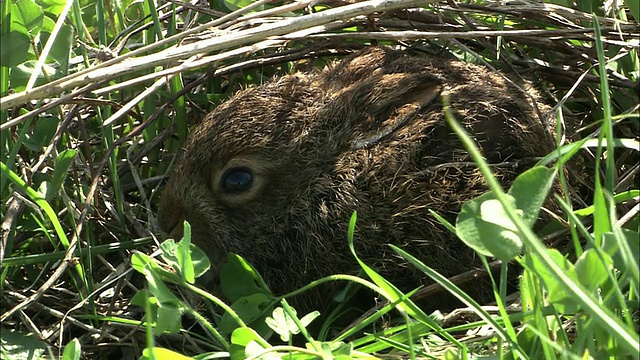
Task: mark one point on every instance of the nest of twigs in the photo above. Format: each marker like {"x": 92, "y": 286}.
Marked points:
{"x": 117, "y": 111}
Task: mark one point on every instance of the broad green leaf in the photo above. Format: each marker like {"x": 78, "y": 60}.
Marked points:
{"x": 47, "y": 26}
{"x": 484, "y": 226}
{"x": 139, "y": 261}
{"x": 586, "y": 6}
{"x": 168, "y": 318}
{"x": 53, "y": 7}
{"x": 565, "y": 3}
{"x": 20, "y": 74}
{"x": 246, "y": 342}
{"x": 234, "y": 5}
{"x": 528, "y": 340}
{"x": 14, "y": 49}
{"x": 493, "y": 212}
{"x": 336, "y": 350}
{"x": 530, "y": 189}
{"x": 501, "y": 233}
{"x": 156, "y": 286}
{"x": 200, "y": 262}
{"x": 140, "y": 297}
{"x": 72, "y": 350}
{"x": 162, "y": 354}
{"x": 634, "y": 8}
{"x": 611, "y": 246}
{"x": 307, "y": 319}
{"x": 252, "y": 309}
{"x": 63, "y": 161}
{"x": 18, "y": 346}
{"x": 26, "y": 22}
{"x": 42, "y": 133}
{"x": 61, "y": 49}
{"x": 557, "y": 293}
{"x": 283, "y": 324}
{"x": 340, "y": 349}
{"x": 26, "y": 15}
{"x": 239, "y": 279}
{"x": 169, "y": 248}
{"x": 169, "y": 306}
{"x": 591, "y": 271}
{"x": 155, "y": 275}
{"x": 183, "y": 254}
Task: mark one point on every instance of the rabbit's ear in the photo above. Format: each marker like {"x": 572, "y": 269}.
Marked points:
{"x": 387, "y": 102}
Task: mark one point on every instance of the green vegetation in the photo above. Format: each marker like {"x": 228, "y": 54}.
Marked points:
{"x": 97, "y": 97}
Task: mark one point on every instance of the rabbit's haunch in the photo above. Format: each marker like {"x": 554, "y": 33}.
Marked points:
{"x": 275, "y": 173}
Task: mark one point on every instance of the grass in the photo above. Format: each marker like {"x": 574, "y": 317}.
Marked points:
{"x": 98, "y": 96}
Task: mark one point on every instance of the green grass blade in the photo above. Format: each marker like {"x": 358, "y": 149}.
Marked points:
{"x": 44, "y": 205}
{"x": 626, "y": 336}
{"x": 462, "y": 296}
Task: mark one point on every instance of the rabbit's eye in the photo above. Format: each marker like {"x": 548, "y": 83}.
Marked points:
{"x": 236, "y": 180}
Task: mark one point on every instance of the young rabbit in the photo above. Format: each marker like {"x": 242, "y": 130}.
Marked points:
{"x": 275, "y": 173}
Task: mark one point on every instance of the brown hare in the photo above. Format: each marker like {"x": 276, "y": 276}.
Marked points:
{"x": 275, "y": 173}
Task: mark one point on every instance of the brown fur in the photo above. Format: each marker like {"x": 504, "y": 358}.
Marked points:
{"x": 365, "y": 134}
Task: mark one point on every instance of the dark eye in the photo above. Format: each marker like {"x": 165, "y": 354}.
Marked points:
{"x": 236, "y": 180}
